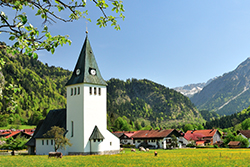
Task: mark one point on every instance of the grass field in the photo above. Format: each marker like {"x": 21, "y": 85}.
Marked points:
{"x": 181, "y": 157}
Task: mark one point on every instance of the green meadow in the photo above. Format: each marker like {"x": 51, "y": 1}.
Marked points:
{"x": 179, "y": 157}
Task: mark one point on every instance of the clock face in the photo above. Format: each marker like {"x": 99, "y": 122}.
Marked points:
{"x": 93, "y": 72}
{"x": 78, "y": 71}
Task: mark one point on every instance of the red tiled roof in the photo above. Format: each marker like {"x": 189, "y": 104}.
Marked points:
{"x": 129, "y": 134}
{"x": 152, "y": 133}
{"x": 13, "y": 133}
{"x": 245, "y": 133}
{"x": 196, "y": 134}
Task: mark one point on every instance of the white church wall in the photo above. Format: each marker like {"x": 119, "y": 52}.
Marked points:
{"x": 75, "y": 118}
{"x": 94, "y": 112}
{"x": 46, "y": 145}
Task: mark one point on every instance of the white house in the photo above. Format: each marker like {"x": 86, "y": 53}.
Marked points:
{"x": 85, "y": 116}
{"x": 157, "y": 138}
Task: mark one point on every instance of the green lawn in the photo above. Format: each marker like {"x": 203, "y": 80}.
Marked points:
{"x": 181, "y": 157}
{"x": 19, "y": 127}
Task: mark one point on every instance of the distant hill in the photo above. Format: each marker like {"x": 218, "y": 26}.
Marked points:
{"x": 191, "y": 89}
{"x": 151, "y": 101}
{"x": 226, "y": 94}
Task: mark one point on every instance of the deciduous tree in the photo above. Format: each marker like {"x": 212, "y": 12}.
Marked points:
{"x": 58, "y": 134}
{"x": 30, "y": 38}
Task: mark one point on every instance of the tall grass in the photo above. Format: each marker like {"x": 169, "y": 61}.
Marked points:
{"x": 181, "y": 157}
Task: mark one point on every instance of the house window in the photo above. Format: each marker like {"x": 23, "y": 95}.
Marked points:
{"x": 75, "y": 91}
{"x": 99, "y": 91}
{"x": 51, "y": 142}
{"x": 78, "y": 90}
{"x": 47, "y": 142}
{"x": 111, "y": 143}
{"x": 42, "y": 142}
{"x": 138, "y": 141}
{"x": 71, "y": 91}
{"x": 72, "y": 128}
{"x": 94, "y": 90}
{"x": 90, "y": 90}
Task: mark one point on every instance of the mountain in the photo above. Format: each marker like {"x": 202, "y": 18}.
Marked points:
{"x": 191, "y": 89}
{"x": 42, "y": 88}
{"x": 150, "y": 101}
{"x": 226, "y": 94}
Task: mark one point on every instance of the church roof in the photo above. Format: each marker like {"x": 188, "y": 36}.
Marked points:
{"x": 96, "y": 134}
{"x": 85, "y": 63}
{"x": 54, "y": 118}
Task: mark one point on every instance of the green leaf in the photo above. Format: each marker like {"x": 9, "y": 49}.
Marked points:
{"x": 12, "y": 38}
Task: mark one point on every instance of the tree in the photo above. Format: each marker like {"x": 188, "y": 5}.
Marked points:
{"x": 246, "y": 124}
{"x": 14, "y": 144}
{"x": 30, "y": 38}
{"x": 59, "y": 137}
{"x": 244, "y": 142}
{"x": 174, "y": 141}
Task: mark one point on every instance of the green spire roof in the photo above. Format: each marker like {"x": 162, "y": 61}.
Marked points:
{"x": 96, "y": 134}
{"x": 86, "y": 69}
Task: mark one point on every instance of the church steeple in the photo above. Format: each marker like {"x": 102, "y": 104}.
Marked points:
{"x": 86, "y": 69}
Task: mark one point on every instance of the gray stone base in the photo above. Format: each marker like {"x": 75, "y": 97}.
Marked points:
{"x": 96, "y": 153}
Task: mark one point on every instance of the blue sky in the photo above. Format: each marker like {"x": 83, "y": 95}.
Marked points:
{"x": 173, "y": 43}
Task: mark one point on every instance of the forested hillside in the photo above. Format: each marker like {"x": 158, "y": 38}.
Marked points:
{"x": 41, "y": 89}
{"x": 144, "y": 100}
{"x": 229, "y": 120}
{"x": 131, "y": 105}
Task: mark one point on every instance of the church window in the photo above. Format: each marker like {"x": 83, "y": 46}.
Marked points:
{"x": 47, "y": 142}
{"x": 51, "y": 142}
{"x": 98, "y": 140}
{"x": 90, "y": 90}
{"x": 94, "y": 90}
{"x": 42, "y": 142}
{"x": 99, "y": 91}
{"x": 71, "y": 91}
{"x": 111, "y": 143}
{"x": 75, "y": 91}
{"x": 72, "y": 128}
{"x": 78, "y": 90}
{"x": 94, "y": 140}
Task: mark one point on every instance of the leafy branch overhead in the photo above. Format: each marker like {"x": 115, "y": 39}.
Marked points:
{"x": 30, "y": 39}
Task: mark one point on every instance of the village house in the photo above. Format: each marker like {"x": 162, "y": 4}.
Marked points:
{"x": 245, "y": 134}
{"x": 203, "y": 137}
{"x": 125, "y": 137}
{"x": 157, "y": 138}
{"x": 84, "y": 119}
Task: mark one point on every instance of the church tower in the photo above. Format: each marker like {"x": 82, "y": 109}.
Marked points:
{"x": 86, "y": 120}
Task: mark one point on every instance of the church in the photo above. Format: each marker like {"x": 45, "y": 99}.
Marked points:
{"x": 85, "y": 118}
